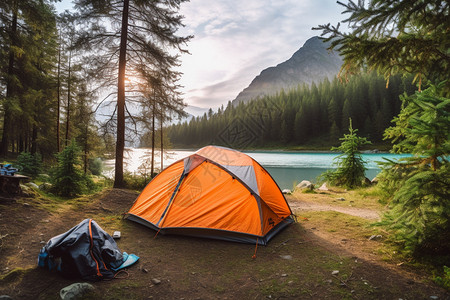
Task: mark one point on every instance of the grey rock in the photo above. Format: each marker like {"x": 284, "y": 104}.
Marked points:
{"x": 287, "y": 257}
{"x": 286, "y": 191}
{"x": 156, "y": 281}
{"x": 33, "y": 185}
{"x": 45, "y": 186}
{"x": 323, "y": 187}
{"x": 341, "y": 199}
{"x": 284, "y": 275}
{"x": 434, "y": 297}
{"x": 305, "y": 184}
{"x": 335, "y": 272}
{"x": 5, "y": 297}
{"x": 75, "y": 291}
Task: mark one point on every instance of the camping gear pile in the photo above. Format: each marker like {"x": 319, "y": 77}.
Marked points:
{"x": 86, "y": 251}
{"x": 217, "y": 193}
{"x": 7, "y": 169}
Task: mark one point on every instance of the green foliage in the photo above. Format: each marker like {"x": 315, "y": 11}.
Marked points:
{"x": 29, "y": 164}
{"x": 350, "y": 170}
{"x": 135, "y": 182}
{"x": 96, "y": 166}
{"x": 68, "y": 179}
{"x": 444, "y": 280}
{"x": 417, "y": 186}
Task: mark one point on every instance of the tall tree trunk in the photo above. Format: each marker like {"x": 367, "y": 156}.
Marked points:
{"x": 152, "y": 169}
{"x": 34, "y": 139}
{"x": 58, "y": 110}
{"x": 69, "y": 83}
{"x": 120, "y": 143}
{"x": 7, "y": 126}
{"x": 162, "y": 143}
{"x": 86, "y": 147}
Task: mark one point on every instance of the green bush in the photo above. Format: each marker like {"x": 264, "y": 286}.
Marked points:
{"x": 96, "y": 166}
{"x": 135, "y": 182}
{"x": 68, "y": 178}
{"x": 350, "y": 170}
{"x": 444, "y": 280}
{"x": 29, "y": 164}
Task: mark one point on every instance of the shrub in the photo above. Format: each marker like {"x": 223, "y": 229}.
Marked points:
{"x": 29, "y": 164}
{"x": 135, "y": 182}
{"x": 68, "y": 178}
{"x": 96, "y": 166}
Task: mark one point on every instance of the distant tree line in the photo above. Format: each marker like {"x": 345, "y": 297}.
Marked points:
{"x": 316, "y": 114}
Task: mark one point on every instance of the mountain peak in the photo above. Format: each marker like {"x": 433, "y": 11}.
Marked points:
{"x": 311, "y": 63}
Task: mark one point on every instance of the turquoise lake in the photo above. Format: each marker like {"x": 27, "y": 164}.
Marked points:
{"x": 287, "y": 168}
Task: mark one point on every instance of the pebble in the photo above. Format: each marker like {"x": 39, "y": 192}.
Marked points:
{"x": 341, "y": 199}
{"x": 335, "y": 272}
{"x": 288, "y": 257}
{"x": 284, "y": 275}
{"x": 156, "y": 281}
{"x": 375, "y": 237}
{"x": 434, "y": 297}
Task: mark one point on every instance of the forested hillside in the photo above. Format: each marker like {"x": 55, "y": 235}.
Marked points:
{"x": 300, "y": 116}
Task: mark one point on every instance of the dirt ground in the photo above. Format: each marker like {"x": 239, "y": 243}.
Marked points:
{"x": 297, "y": 264}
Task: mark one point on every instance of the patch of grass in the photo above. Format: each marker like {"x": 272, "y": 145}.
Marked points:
{"x": 13, "y": 275}
{"x": 360, "y": 198}
{"x": 348, "y": 226}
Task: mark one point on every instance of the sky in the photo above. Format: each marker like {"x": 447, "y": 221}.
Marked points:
{"x": 234, "y": 40}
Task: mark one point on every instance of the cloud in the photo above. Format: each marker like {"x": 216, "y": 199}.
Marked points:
{"x": 235, "y": 40}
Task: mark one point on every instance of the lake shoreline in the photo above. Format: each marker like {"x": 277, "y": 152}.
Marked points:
{"x": 287, "y": 167}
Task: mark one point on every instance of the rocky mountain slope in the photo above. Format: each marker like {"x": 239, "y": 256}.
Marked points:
{"x": 311, "y": 63}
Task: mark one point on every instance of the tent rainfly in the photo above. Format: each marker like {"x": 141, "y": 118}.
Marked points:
{"x": 217, "y": 193}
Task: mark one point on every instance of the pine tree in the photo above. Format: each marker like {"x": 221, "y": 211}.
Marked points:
{"x": 417, "y": 186}
{"x": 350, "y": 170}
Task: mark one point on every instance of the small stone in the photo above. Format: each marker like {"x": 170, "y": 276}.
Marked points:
{"x": 286, "y": 191}
{"x": 284, "y": 275}
{"x": 323, "y": 187}
{"x": 329, "y": 281}
{"x": 156, "y": 281}
{"x": 335, "y": 272}
{"x": 341, "y": 199}
{"x": 434, "y": 297}
{"x": 33, "y": 185}
{"x": 287, "y": 257}
{"x": 145, "y": 270}
{"x": 5, "y": 297}
{"x": 290, "y": 282}
{"x": 43, "y": 242}
{"x": 375, "y": 237}
{"x": 75, "y": 291}
{"x": 26, "y": 204}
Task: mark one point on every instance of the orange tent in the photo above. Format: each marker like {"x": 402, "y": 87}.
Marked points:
{"x": 216, "y": 193}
